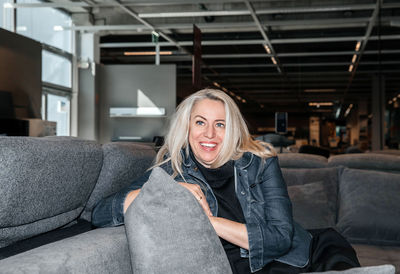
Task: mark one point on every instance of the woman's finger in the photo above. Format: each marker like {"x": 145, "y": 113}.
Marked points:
{"x": 194, "y": 189}
{"x": 199, "y": 195}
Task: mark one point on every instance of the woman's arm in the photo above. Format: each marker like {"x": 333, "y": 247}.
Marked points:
{"x": 110, "y": 211}
{"x": 130, "y": 197}
{"x": 233, "y": 232}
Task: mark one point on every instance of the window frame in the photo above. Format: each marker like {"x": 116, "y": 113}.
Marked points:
{"x": 51, "y": 88}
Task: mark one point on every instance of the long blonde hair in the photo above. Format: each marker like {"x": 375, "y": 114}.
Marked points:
{"x": 237, "y": 138}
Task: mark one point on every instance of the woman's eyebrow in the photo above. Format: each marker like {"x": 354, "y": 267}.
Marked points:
{"x": 199, "y": 116}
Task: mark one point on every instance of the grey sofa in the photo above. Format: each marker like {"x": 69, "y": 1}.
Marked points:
{"x": 357, "y": 194}
{"x": 50, "y": 185}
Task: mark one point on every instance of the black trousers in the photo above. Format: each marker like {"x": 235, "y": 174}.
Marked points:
{"x": 329, "y": 251}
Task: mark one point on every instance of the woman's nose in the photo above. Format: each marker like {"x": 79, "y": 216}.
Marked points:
{"x": 209, "y": 132}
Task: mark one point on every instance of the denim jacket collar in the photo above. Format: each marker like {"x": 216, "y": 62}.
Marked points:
{"x": 244, "y": 161}
{"x": 186, "y": 160}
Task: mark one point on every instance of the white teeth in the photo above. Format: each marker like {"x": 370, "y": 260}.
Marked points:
{"x": 207, "y": 145}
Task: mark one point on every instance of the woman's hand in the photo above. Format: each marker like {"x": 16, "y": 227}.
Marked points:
{"x": 199, "y": 195}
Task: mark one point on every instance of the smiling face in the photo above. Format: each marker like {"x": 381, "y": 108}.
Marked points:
{"x": 207, "y": 130}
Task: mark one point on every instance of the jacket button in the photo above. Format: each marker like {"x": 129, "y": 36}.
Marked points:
{"x": 242, "y": 192}
{"x": 240, "y": 174}
{"x": 195, "y": 168}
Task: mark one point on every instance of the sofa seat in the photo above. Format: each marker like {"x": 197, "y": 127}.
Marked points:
{"x": 370, "y": 255}
{"x": 103, "y": 250}
{"x": 49, "y": 237}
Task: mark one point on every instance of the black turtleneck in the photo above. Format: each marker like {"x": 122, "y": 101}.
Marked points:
{"x": 222, "y": 182}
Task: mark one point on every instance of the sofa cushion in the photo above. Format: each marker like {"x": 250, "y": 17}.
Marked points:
{"x": 370, "y": 255}
{"x": 379, "y": 269}
{"x": 123, "y": 162}
{"x": 367, "y": 161}
{"x": 301, "y": 160}
{"x": 44, "y": 183}
{"x": 369, "y": 209}
{"x": 312, "y": 206}
{"x": 168, "y": 231}
{"x": 302, "y": 176}
{"x": 103, "y": 250}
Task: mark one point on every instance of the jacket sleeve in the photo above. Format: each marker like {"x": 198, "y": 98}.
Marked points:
{"x": 109, "y": 211}
{"x": 272, "y": 221}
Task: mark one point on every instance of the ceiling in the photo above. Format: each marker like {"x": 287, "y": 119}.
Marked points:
{"x": 272, "y": 55}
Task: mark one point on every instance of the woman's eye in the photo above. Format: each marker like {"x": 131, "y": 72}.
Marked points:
{"x": 200, "y": 123}
{"x": 221, "y": 125}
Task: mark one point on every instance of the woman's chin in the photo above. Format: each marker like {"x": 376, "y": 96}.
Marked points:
{"x": 207, "y": 162}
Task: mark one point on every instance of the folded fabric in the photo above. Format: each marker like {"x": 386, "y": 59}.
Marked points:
{"x": 168, "y": 231}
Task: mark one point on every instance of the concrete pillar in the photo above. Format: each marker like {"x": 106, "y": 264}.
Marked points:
{"x": 378, "y": 111}
{"x": 353, "y": 124}
{"x": 88, "y": 97}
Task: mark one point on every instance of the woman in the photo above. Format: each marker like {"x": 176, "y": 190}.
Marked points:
{"x": 237, "y": 181}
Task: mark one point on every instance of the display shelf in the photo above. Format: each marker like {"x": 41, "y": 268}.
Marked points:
{"x": 138, "y": 116}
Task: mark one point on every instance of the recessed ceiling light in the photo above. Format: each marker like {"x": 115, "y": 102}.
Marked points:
{"x": 140, "y": 53}
{"x": 354, "y": 58}
{"x": 216, "y": 84}
{"x": 319, "y": 104}
{"x": 358, "y": 45}
{"x": 267, "y": 49}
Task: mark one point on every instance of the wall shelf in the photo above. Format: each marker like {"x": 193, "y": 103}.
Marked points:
{"x": 137, "y": 116}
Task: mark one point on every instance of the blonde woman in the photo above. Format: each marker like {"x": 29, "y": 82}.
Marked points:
{"x": 236, "y": 180}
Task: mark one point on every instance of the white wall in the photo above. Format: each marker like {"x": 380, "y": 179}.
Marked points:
{"x": 129, "y": 85}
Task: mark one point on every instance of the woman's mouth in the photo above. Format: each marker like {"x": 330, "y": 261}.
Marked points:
{"x": 208, "y": 146}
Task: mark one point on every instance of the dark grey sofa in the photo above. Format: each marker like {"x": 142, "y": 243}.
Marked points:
{"x": 50, "y": 185}
{"x": 357, "y": 194}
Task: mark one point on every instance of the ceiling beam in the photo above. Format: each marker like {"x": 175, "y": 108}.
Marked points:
{"x": 251, "y": 42}
{"x": 314, "y": 64}
{"x": 364, "y": 42}
{"x": 107, "y": 4}
{"x": 184, "y": 58}
{"x": 234, "y": 26}
{"x": 144, "y": 22}
{"x": 267, "y": 42}
{"x": 308, "y": 9}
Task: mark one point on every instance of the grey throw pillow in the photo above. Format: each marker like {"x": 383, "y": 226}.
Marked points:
{"x": 312, "y": 206}
{"x": 168, "y": 231}
{"x": 380, "y": 269}
{"x": 369, "y": 209}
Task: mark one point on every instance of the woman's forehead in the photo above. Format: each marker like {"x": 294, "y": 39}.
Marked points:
{"x": 209, "y": 107}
